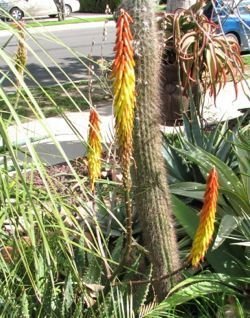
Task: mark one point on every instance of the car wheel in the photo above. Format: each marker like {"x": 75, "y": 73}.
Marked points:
{"x": 68, "y": 10}
{"x": 16, "y": 14}
{"x": 233, "y": 37}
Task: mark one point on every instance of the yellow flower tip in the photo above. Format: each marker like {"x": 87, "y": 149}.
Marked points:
{"x": 204, "y": 233}
{"x": 94, "y": 150}
{"x": 18, "y": 24}
{"x": 94, "y": 125}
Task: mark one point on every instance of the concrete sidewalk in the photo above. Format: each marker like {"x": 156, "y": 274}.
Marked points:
{"x": 71, "y": 133}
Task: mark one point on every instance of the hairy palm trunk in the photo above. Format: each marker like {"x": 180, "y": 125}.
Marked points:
{"x": 172, "y": 5}
{"x": 174, "y": 103}
{"x": 60, "y": 9}
{"x": 152, "y": 199}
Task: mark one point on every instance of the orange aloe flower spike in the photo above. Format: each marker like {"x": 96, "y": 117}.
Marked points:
{"x": 204, "y": 233}
{"x": 124, "y": 89}
{"x": 94, "y": 150}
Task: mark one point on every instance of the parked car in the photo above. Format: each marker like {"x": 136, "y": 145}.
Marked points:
{"x": 233, "y": 19}
{"x": 34, "y": 8}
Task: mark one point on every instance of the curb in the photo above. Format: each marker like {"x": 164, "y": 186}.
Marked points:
{"x": 61, "y": 27}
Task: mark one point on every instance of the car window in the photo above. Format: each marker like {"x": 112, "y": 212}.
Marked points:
{"x": 244, "y": 8}
{"x": 225, "y": 8}
{"x": 230, "y": 7}
{"x": 214, "y": 8}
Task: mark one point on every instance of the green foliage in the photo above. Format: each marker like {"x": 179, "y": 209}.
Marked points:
{"x": 200, "y": 286}
{"x": 56, "y": 249}
{"x": 189, "y": 157}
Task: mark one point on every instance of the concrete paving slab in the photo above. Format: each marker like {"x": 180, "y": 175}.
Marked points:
{"x": 227, "y": 104}
{"x": 70, "y": 134}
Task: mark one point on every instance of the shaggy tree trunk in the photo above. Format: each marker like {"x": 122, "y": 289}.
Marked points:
{"x": 152, "y": 199}
{"x": 174, "y": 103}
{"x": 172, "y": 5}
{"x": 60, "y": 9}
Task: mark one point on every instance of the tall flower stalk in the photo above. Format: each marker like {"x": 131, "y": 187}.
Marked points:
{"x": 21, "y": 54}
{"x": 205, "y": 229}
{"x": 124, "y": 89}
{"x": 94, "y": 148}
{"x": 123, "y": 75}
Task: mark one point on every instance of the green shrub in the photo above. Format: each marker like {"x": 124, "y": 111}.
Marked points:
{"x": 98, "y": 6}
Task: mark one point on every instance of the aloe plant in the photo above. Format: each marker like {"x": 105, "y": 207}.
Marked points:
{"x": 195, "y": 58}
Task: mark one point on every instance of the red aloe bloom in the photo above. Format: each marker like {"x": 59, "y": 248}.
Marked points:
{"x": 94, "y": 148}
{"x": 205, "y": 229}
{"x": 124, "y": 88}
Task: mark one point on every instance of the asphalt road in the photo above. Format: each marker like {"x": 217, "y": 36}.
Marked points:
{"x": 63, "y": 49}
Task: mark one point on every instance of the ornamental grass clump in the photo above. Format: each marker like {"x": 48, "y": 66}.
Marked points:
{"x": 94, "y": 148}
{"x": 205, "y": 229}
{"x": 124, "y": 90}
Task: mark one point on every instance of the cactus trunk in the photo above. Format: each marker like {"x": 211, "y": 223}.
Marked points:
{"x": 176, "y": 4}
{"x": 152, "y": 200}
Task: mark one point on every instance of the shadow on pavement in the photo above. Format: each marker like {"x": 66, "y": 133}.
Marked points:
{"x": 70, "y": 69}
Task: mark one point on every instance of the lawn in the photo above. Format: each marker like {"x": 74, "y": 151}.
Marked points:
{"x": 246, "y": 59}
{"x": 68, "y": 97}
{"x": 34, "y": 23}
{"x": 67, "y": 21}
